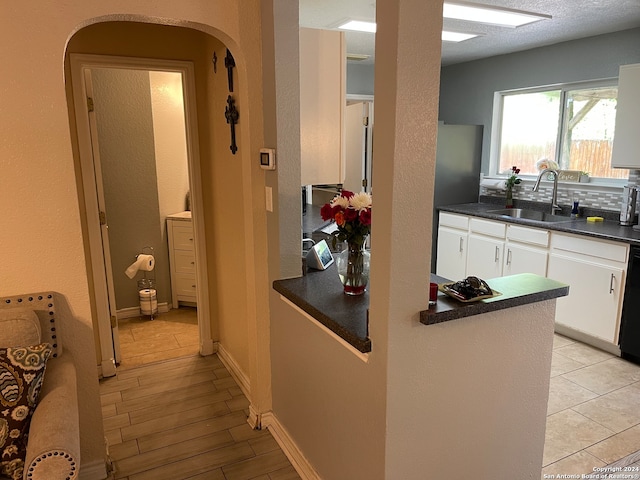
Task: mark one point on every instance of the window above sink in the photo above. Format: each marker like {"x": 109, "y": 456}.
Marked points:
{"x": 571, "y": 124}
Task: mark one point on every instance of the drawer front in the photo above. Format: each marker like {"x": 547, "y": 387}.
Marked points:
{"x": 454, "y": 221}
{"x": 534, "y": 236}
{"x": 186, "y": 284}
{"x": 614, "y": 251}
{"x": 185, "y": 262}
{"x": 183, "y": 238}
{"x": 487, "y": 227}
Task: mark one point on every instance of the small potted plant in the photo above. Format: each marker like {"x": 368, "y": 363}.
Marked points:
{"x": 511, "y": 182}
{"x": 584, "y": 177}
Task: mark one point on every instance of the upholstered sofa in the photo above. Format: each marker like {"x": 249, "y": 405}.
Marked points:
{"x": 53, "y": 446}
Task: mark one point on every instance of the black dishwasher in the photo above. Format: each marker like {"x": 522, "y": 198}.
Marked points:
{"x": 630, "y": 324}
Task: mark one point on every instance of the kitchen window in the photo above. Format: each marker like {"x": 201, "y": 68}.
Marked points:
{"x": 572, "y": 124}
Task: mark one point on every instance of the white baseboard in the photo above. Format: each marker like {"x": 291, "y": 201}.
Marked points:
{"x": 208, "y": 347}
{"x": 254, "y": 419}
{"x": 93, "y": 471}
{"x": 236, "y": 372}
{"x": 135, "y": 311}
{"x": 588, "y": 339}
{"x": 289, "y": 447}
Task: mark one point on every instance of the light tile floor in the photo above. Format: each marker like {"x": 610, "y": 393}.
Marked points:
{"x": 186, "y": 418}
{"x": 169, "y": 335}
{"x": 593, "y": 415}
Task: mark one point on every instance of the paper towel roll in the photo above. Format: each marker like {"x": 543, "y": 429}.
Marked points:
{"x": 143, "y": 262}
{"x": 492, "y": 183}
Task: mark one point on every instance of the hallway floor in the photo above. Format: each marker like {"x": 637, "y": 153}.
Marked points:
{"x": 593, "y": 412}
{"x": 185, "y": 418}
{"x": 171, "y": 414}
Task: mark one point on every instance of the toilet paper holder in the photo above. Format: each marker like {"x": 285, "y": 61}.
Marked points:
{"x": 147, "y": 293}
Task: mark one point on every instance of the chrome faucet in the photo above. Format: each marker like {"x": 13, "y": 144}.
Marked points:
{"x": 554, "y": 195}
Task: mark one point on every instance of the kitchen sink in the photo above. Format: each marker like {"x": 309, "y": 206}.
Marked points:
{"x": 529, "y": 215}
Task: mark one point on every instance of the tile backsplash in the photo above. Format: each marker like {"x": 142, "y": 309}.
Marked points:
{"x": 605, "y": 199}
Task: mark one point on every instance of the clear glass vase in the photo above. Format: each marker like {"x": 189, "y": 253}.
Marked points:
{"x": 509, "y": 198}
{"x": 353, "y": 268}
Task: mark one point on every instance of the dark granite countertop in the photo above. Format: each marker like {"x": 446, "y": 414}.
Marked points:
{"x": 319, "y": 293}
{"x": 609, "y": 229}
{"x": 515, "y": 290}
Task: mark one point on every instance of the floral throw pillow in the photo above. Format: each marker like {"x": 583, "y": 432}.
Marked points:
{"x": 21, "y": 375}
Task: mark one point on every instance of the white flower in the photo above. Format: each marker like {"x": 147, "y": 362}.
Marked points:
{"x": 340, "y": 201}
{"x": 360, "y": 201}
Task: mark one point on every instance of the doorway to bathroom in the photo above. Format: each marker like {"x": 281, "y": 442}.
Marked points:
{"x": 140, "y": 168}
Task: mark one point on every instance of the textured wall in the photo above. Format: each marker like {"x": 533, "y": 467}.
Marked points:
{"x": 122, "y": 100}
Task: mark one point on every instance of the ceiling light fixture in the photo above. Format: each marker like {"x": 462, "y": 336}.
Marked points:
{"x": 503, "y": 17}
{"x": 448, "y": 36}
{"x": 369, "y": 27}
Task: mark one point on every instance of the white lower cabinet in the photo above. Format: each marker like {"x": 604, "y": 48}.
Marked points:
{"x": 486, "y": 247}
{"x": 453, "y": 234}
{"x": 452, "y": 253}
{"x": 520, "y": 258}
{"x": 594, "y": 269}
{"x": 485, "y": 256}
{"x": 526, "y": 251}
{"x": 595, "y": 272}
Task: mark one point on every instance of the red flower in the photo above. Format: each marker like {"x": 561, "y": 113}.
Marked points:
{"x": 347, "y": 194}
{"x": 326, "y": 212}
{"x": 350, "y": 214}
{"x": 365, "y": 217}
{"x": 340, "y": 219}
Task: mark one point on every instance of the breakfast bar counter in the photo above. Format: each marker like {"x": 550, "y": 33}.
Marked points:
{"x": 320, "y": 295}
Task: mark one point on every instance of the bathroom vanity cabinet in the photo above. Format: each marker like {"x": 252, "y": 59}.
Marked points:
{"x": 182, "y": 259}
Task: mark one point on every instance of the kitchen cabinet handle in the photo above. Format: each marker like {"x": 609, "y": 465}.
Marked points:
{"x": 613, "y": 277}
{"x": 461, "y": 244}
{"x": 497, "y": 253}
{"x": 509, "y": 257}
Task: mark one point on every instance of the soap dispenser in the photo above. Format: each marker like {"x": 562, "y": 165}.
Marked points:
{"x": 574, "y": 208}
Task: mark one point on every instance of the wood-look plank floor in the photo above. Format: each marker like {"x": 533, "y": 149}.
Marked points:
{"x": 185, "y": 418}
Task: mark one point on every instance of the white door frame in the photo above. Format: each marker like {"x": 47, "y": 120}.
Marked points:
{"x": 80, "y": 63}
{"x": 104, "y": 227}
{"x": 367, "y": 167}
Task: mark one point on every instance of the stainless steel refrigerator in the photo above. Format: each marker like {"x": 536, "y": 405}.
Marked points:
{"x": 458, "y": 157}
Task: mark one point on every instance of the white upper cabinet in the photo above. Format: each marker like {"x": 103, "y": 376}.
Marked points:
{"x": 626, "y": 142}
{"x": 323, "y": 65}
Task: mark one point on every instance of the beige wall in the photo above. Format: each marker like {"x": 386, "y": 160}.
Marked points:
{"x": 41, "y": 228}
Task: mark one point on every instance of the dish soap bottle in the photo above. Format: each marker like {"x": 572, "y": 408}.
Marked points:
{"x": 574, "y": 209}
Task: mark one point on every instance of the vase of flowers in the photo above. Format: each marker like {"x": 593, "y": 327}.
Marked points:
{"x": 352, "y": 214}
{"x": 511, "y": 182}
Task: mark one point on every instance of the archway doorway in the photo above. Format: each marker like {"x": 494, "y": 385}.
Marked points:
{"x": 112, "y": 299}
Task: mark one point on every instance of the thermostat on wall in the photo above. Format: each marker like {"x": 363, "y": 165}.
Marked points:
{"x": 268, "y": 158}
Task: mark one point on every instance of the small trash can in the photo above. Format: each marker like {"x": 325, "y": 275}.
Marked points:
{"x": 148, "y": 298}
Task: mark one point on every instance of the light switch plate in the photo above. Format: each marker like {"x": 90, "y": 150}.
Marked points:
{"x": 268, "y": 194}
